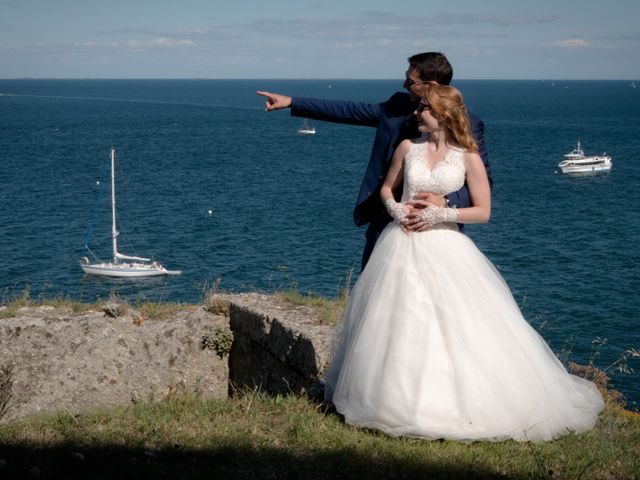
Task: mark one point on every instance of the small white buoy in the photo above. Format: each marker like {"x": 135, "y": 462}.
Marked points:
{"x": 98, "y": 182}
{"x": 210, "y": 212}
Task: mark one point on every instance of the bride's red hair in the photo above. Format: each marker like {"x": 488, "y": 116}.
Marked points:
{"x": 446, "y": 103}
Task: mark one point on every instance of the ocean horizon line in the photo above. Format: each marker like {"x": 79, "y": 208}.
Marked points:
{"x": 314, "y": 79}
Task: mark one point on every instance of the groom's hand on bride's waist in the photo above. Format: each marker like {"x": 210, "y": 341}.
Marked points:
{"x": 423, "y": 199}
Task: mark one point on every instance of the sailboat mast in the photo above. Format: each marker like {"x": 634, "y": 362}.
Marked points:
{"x": 114, "y": 232}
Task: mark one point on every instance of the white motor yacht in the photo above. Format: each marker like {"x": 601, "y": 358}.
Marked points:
{"x": 577, "y": 163}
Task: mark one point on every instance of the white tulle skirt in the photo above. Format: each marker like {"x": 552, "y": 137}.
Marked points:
{"x": 433, "y": 345}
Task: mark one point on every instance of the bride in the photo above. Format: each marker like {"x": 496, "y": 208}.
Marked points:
{"x": 432, "y": 343}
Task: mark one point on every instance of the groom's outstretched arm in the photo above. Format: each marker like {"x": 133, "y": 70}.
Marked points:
{"x": 336, "y": 111}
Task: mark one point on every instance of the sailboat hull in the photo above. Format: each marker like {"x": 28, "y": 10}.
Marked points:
{"x": 124, "y": 270}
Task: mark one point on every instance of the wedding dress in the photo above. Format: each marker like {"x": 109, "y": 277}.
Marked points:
{"x": 433, "y": 345}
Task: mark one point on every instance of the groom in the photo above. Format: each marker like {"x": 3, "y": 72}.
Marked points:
{"x": 394, "y": 121}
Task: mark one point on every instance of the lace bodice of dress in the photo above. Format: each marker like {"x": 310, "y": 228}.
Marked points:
{"x": 447, "y": 176}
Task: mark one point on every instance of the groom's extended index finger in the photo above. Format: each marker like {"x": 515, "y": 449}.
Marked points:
{"x": 270, "y": 99}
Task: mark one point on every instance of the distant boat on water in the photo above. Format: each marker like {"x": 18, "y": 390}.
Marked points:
{"x": 577, "y": 163}
{"x": 306, "y": 129}
{"x": 122, "y": 266}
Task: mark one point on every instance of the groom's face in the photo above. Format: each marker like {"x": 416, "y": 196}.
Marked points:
{"x": 416, "y": 87}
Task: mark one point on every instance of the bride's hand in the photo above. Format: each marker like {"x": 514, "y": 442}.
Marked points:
{"x": 415, "y": 222}
{"x": 423, "y": 200}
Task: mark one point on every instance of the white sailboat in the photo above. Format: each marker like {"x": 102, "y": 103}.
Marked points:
{"x": 123, "y": 266}
{"x": 306, "y": 129}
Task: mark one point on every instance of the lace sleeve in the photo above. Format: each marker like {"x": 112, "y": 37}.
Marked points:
{"x": 434, "y": 215}
{"x": 397, "y": 210}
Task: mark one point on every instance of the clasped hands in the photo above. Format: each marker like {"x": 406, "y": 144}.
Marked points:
{"x": 416, "y": 219}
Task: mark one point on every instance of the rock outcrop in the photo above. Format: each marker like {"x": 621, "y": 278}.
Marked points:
{"x": 60, "y": 360}
{"x": 277, "y": 348}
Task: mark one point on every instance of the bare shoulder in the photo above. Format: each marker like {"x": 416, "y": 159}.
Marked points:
{"x": 401, "y": 151}
{"x": 473, "y": 161}
{"x": 405, "y": 145}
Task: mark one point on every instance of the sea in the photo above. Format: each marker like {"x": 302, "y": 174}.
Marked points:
{"x": 210, "y": 184}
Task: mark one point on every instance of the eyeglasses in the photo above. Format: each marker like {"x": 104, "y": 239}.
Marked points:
{"x": 422, "y": 106}
{"x": 412, "y": 83}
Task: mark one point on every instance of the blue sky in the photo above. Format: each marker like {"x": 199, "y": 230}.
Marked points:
{"x": 562, "y": 39}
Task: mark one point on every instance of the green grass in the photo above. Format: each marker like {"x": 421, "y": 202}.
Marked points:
{"x": 13, "y": 305}
{"x": 255, "y": 436}
{"x": 159, "y": 310}
{"x": 148, "y": 309}
{"x": 329, "y": 310}
{"x": 214, "y": 300}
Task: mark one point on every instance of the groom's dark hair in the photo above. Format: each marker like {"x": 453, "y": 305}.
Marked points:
{"x": 432, "y": 66}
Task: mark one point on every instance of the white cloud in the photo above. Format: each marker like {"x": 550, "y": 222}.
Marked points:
{"x": 135, "y": 44}
{"x": 370, "y": 25}
{"x": 194, "y": 31}
{"x": 169, "y": 42}
{"x": 573, "y": 43}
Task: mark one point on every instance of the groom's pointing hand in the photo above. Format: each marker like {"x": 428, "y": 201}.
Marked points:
{"x": 275, "y": 101}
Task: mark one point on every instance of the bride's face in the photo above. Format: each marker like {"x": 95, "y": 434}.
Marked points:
{"x": 427, "y": 121}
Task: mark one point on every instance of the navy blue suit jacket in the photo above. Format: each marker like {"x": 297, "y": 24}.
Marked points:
{"x": 394, "y": 122}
